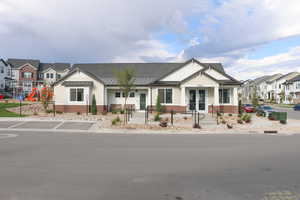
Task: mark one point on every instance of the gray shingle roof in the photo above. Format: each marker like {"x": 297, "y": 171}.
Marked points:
{"x": 77, "y": 83}
{"x": 145, "y": 73}
{"x": 56, "y": 66}
{"x": 16, "y": 63}
{"x": 297, "y": 78}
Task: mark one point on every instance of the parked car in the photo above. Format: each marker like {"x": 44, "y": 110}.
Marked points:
{"x": 248, "y": 108}
{"x": 297, "y": 106}
{"x": 265, "y": 109}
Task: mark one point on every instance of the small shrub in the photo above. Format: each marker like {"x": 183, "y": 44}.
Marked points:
{"x": 157, "y": 117}
{"x": 58, "y": 112}
{"x": 223, "y": 121}
{"x": 185, "y": 118}
{"x": 239, "y": 115}
{"x": 115, "y": 121}
{"x": 78, "y": 113}
{"x": 219, "y": 114}
{"x": 158, "y": 105}
{"x": 239, "y": 121}
{"x": 121, "y": 112}
{"x": 104, "y": 113}
{"x": 246, "y": 118}
{"x": 94, "y": 106}
{"x": 230, "y": 115}
{"x": 114, "y": 112}
{"x": 35, "y": 113}
{"x": 49, "y": 111}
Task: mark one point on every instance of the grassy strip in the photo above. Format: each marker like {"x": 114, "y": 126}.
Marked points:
{"x": 285, "y": 105}
{"x": 6, "y": 113}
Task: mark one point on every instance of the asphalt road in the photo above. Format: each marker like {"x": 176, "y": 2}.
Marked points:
{"x": 77, "y": 166}
{"x": 291, "y": 113}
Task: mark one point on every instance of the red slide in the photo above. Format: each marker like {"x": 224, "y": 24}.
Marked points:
{"x": 31, "y": 96}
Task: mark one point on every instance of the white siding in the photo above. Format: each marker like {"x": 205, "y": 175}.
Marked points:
{"x": 183, "y": 72}
{"x": 61, "y": 93}
{"x": 217, "y": 75}
{"x": 2, "y": 75}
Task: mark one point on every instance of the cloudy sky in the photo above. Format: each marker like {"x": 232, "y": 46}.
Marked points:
{"x": 250, "y": 37}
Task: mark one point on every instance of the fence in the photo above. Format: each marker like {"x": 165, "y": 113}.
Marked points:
{"x": 196, "y": 116}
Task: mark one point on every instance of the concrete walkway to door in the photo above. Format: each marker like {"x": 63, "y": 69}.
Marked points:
{"x": 138, "y": 118}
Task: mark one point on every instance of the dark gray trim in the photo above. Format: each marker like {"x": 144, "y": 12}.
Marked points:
{"x": 78, "y": 83}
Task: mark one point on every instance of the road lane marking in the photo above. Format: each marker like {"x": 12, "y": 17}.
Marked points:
{"x": 8, "y": 135}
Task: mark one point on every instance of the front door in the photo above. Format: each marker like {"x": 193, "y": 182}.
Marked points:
{"x": 201, "y": 102}
{"x": 142, "y": 101}
{"x": 192, "y": 103}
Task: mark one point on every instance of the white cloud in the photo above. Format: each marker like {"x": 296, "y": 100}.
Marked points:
{"x": 245, "y": 68}
{"x": 90, "y": 30}
{"x": 243, "y": 25}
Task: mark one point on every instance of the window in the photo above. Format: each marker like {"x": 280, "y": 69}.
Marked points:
{"x": 123, "y": 94}
{"x": 2, "y": 70}
{"x": 51, "y": 75}
{"x": 47, "y": 75}
{"x": 8, "y": 72}
{"x": 131, "y": 94}
{"x": 27, "y": 75}
{"x": 298, "y": 85}
{"x": 76, "y": 94}
{"x": 117, "y": 94}
{"x": 58, "y": 76}
{"x": 224, "y": 95}
{"x": 165, "y": 95}
{"x": 41, "y": 75}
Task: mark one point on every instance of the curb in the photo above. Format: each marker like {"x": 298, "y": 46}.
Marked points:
{"x": 139, "y": 132}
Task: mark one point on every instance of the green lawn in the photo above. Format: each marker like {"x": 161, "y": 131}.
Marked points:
{"x": 6, "y": 113}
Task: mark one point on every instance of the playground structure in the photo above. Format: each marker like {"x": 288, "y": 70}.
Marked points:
{"x": 44, "y": 94}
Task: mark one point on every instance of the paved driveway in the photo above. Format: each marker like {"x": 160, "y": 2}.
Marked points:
{"x": 47, "y": 125}
{"x": 76, "y": 166}
{"x": 291, "y": 113}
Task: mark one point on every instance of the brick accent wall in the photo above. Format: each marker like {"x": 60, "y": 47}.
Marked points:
{"x": 78, "y": 108}
{"x": 119, "y": 106}
{"x": 28, "y": 68}
{"x": 224, "y": 108}
{"x": 169, "y": 108}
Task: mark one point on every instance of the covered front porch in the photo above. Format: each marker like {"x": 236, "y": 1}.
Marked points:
{"x": 138, "y": 98}
{"x": 206, "y": 99}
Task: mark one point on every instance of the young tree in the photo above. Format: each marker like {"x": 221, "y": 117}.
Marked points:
{"x": 158, "y": 105}
{"x": 94, "y": 106}
{"x": 46, "y": 95}
{"x": 126, "y": 82}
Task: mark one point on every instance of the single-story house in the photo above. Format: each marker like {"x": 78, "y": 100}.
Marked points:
{"x": 182, "y": 87}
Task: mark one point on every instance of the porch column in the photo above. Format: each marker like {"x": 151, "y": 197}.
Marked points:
{"x": 149, "y": 97}
{"x": 235, "y": 97}
{"x": 216, "y": 96}
{"x": 183, "y": 96}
